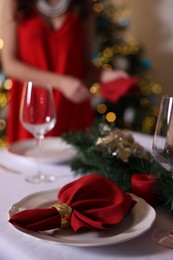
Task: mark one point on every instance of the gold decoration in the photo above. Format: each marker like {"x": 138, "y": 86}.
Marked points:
{"x": 121, "y": 144}
{"x": 65, "y": 213}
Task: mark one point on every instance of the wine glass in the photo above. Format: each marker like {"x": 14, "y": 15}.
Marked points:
{"x": 163, "y": 154}
{"x": 38, "y": 116}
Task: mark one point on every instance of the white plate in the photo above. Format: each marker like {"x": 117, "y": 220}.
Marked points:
{"x": 137, "y": 221}
{"x": 53, "y": 149}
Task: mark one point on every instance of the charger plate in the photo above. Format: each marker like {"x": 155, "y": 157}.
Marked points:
{"x": 54, "y": 149}
{"x": 135, "y": 223}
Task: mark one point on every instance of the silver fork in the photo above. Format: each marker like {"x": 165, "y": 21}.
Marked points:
{"x": 9, "y": 169}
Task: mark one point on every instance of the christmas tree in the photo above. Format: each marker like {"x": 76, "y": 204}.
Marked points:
{"x": 116, "y": 48}
{"x": 5, "y": 84}
{"x": 4, "y": 87}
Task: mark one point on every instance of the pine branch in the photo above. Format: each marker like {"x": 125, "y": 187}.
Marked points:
{"x": 92, "y": 158}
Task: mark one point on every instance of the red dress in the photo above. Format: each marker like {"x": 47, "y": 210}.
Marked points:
{"x": 59, "y": 51}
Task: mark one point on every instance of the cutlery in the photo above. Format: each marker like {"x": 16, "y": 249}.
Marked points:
{"x": 9, "y": 169}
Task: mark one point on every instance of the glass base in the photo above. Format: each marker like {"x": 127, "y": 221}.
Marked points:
{"x": 164, "y": 237}
{"x": 41, "y": 178}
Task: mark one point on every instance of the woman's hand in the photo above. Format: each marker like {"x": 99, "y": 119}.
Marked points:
{"x": 109, "y": 75}
{"x": 73, "y": 89}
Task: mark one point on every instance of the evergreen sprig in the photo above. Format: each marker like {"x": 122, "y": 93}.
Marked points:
{"x": 97, "y": 159}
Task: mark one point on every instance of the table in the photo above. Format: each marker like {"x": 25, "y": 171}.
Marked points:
{"x": 14, "y": 245}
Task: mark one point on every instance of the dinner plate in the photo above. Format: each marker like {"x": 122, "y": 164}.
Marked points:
{"x": 54, "y": 149}
{"x": 135, "y": 223}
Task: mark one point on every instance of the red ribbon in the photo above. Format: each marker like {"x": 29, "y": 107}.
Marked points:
{"x": 143, "y": 185}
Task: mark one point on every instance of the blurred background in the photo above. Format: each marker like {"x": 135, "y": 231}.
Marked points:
{"x": 133, "y": 35}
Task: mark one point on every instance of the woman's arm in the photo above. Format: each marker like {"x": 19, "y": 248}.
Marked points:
{"x": 71, "y": 87}
{"x": 11, "y": 65}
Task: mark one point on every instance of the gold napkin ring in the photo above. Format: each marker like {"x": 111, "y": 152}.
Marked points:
{"x": 65, "y": 213}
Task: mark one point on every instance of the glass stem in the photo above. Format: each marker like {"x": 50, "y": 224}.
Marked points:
{"x": 39, "y": 146}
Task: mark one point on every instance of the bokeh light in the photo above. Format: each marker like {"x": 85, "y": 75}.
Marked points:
{"x": 111, "y": 117}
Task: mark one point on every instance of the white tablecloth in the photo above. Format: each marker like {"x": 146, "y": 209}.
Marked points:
{"x": 14, "y": 245}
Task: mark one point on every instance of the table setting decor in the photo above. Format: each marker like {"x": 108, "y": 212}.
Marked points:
{"x": 54, "y": 150}
{"x": 38, "y": 116}
{"x": 89, "y": 211}
{"x": 9, "y": 169}
{"x": 90, "y": 202}
{"x": 114, "y": 153}
{"x": 120, "y": 175}
{"x": 143, "y": 185}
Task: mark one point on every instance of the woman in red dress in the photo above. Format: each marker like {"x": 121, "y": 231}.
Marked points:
{"x": 50, "y": 42}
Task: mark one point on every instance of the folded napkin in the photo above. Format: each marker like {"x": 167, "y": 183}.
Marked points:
{"x": 115, "y": 89}
{"x": 91, "y": 202}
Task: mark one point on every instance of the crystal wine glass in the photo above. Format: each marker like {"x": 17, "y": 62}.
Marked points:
{"x": 163, "y": 153}
{"x": 38, "y": 116}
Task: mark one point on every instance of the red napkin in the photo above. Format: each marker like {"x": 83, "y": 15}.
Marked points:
{"x": 37, "y": 219}
{"x": 96, "y": 202}
{"x": 114, "y": 90}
